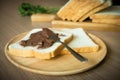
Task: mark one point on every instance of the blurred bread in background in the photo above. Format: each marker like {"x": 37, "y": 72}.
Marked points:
{"x": 78, "y": 10}
{"x": 110, "y": 15}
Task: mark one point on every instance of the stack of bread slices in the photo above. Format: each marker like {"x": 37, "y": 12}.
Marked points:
{"x": 74, "y": 10}
{"x": 79, "y": 10}
{"x": 88, "y": 14}
{"x": 109, "y": 15}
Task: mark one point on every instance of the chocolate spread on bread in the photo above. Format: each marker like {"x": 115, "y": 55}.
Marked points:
{"x": 40, "y": 39}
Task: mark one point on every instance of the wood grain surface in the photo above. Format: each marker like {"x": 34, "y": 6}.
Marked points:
{"x": 11, "y": 24}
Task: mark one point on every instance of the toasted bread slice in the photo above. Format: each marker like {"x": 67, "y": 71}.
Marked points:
{"x": 75, "y": 9}
{"x": 108, "y": 3}
{"x": 86, "y": 8}
{"x": 65, "y": 9}
{"x": 72, "y": 10}
{"x": 46, "y": 53}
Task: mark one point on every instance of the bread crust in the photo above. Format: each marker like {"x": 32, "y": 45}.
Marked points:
{"x": 82, "y": 50}
{"x": 57, "y": 51}
{"x": 41, "y": 55}
{"x": 22, "y": 53}
{"x": 53, "y": 53}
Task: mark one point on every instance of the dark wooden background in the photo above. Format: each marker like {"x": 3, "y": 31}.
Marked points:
{"x": 12, "y": 23}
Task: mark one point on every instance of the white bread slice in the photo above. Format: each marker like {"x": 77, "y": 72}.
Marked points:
{"x": 81, "y": 42}
{"x": 108, "y": 3}
{"x": 112, "y": 12}
{"x": 46, "y": 53}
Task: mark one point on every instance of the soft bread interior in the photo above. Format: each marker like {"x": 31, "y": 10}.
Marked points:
{"x": 46, "y": 53}
{"x": 81, "y": 42}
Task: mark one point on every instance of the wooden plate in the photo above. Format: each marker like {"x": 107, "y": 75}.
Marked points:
{"x": 61, "y": 65}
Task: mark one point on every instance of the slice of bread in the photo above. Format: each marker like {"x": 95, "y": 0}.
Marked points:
{"x": 86, "y": 8}
{"x": 46, "y": 53}
{"x": 81, "y": 42}
{"x": 108, "y": 3}
{"x": 72, "y": 10}
{"x": 112, "y": 12}
{"x": 75, "y": 9}
{"x": 65, "y": 9}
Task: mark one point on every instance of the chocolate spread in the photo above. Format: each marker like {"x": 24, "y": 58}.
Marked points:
{"x": 40, "y": 39}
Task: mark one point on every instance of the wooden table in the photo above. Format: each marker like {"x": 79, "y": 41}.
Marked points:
{"x": 11, "y": 24}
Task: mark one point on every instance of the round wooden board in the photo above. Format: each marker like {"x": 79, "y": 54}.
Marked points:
{"x": 60, "y": 65}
